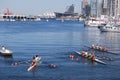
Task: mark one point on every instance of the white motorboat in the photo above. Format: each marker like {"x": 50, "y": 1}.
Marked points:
{"x": 94, "y": 22}
{"x": 6, "y": 52}
{"x": 110, "y": 28}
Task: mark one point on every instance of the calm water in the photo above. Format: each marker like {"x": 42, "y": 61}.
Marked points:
{"x": 54, "y": 41}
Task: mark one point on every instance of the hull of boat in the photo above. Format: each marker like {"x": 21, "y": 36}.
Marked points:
{"x": 6, "y": 53}
{"x": 96, "y": 60}
{"x": 32, "y": 67}
{"x": 109, "y": 29}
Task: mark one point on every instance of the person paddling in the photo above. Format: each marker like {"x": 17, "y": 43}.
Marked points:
{"x": 97, "y": 47}
{"x": 37, "y": 58}
{"x": 33, "y": 61}
{"x": 104, "y": 48}
{"x": 100, "y": 47}
{"x": 84, "y": 53}
{"x": 93, "y": 56}
{"x": 93, "y": 46}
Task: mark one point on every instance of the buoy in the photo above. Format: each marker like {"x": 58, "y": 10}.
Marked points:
{"x": 71, "y": 57}
{"x": 52, "y": 65}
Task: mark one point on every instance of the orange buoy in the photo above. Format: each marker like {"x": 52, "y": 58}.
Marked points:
{"x": 52, "y": 65}
{"x": 71, "y": 57}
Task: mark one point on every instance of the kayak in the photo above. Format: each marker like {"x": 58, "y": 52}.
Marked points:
{"x": 96, "y": 60}
{"x": 31, "y": 67}
{"x": 102, "y": 50}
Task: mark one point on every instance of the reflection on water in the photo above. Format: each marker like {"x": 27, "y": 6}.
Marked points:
{"x": 112, "y": 40}
{"x": 109, "y": 39}
{"x": 6, "y": 60}
{"x": 35, "y": 70}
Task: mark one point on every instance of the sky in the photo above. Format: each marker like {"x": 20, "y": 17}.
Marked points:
{"x": 36, "y": 7}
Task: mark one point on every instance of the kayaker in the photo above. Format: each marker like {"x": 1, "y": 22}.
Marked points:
{"x": 100, "y": 47}
{"x": 33, "y": 61}
{"x": 37, "y": 58}
{"x": 97, "y": 47}
{"x": 89, "y": 55}
{"x": 93, "y": 46}
{"x": 85, "y": 53}
{"x": 93, "y": 56}
{"x": 104, "y": 48}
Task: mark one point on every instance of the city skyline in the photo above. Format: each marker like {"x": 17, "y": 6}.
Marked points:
{"x": 38, "y": 6}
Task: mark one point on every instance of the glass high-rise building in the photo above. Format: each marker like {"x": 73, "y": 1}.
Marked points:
{"x": 104, "y": 7}
{"x": 93, "y": 5}
{"x": 85, "y": 7}
{"x": 99, "y": 7}
{"x": 114, "y": 7}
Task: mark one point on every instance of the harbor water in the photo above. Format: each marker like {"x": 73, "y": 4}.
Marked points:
{"x": 55, "y": 41}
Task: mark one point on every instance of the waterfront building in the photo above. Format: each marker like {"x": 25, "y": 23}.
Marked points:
{"x": 105, "y": 7}
{"x": 117, "y": 7}
{"x": 68, "y": 14}
{"x": 10, "y": 16}
{"x": 93, "y": 5}
{"x": 99, "y": 8}
{"x": 85, "y": 8}
{"x": 111, "y": 7}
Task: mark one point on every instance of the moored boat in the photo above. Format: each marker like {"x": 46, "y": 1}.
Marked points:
{"x": 102, "y": 24}
{"x": 96, "y": 60}
{"x": 110, "y": 28}
{"x": 94, "y": 22}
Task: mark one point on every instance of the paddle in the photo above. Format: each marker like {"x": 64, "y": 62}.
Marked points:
{"x": 112, "y": 53}
{"x": 105, "y": 58}
{"x": 20, "y": 62}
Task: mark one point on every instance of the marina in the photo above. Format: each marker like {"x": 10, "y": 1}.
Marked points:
{"x": 60, "y": 40}
{"x": 54, "y": 41}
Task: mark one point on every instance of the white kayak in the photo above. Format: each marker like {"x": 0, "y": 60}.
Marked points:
{"x": 97, "y": 60}
{"x": 32, "y": 66}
